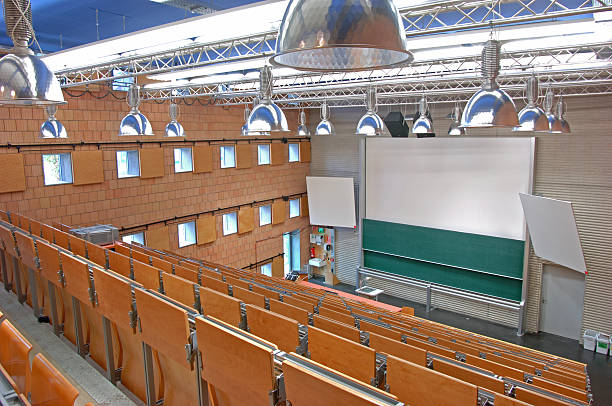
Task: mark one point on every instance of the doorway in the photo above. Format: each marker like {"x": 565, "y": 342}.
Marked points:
{"x": 291, "y": 248}
{"x": 562, "y": 301}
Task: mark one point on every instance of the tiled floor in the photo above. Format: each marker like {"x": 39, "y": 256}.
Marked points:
{"x": 599, "y": 366}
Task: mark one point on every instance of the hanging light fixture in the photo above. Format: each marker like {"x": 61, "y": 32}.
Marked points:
{"x": 266, "y": 116}
{"x": 370, "y": 123}
{"x": 561, "y": 108}
{"x": 174, "y": 128}
{"x": 24, "y": 78}
{"x": 348, "y": 35}
{"x": 423, "y": 124}
{"x": 52, "y": 128}
{"x": 554, "y": 125}
{"x": 244, "y": 130}
{"x": 532, "y": 117}
{"x": 325, "y": 127}
{"x": 490, "y": 106}
{"x": 134, "y": 123}
{"x": 455, "y": 116}
{"x": 303, "y": 130}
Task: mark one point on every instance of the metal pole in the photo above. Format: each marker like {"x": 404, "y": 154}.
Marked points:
{"x": 17, "y": 281}
{"x": 57, "y": 328}
{"x": 78, "y": 327}
{"x": 149, "y": 376}
{"x": 108, "y": 351}
{"x": 7, "y": 285}
{"x": 34, "y": 293}
{"x": 428, "y": 305}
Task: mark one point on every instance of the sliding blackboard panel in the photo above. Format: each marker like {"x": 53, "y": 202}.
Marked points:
{"x": 479, "y": 263}
{"x": 487, "y": 284}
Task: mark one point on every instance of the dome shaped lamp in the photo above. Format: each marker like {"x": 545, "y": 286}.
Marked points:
{"x": 266, "y": 116}
{"x": 52, "y": 128}
{"x": 370, "y": 123}
{"x": 423, "y": 124}
{"x": 174, "y": 128}
{"x": 532, "y": 118}
{"x": 455, "y": 116}
{"x": 134, "y": 123}
{"x": 348, "y": 35}
{"x": 24, "y": 78}
{"x": 490, "y": 106}
{"x": 325, "y": 127}
{"x": 561, "y": 108}
{"x": 303, "y": 130}
{"x": 554, "y": 124}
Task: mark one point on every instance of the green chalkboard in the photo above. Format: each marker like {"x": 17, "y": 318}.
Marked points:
{"x": 479, "y": 263}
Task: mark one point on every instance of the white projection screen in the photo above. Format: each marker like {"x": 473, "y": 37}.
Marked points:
{"x": 331, "y": 201}
{"x": 461, "y": 184}
{"x": 553, "y": 231}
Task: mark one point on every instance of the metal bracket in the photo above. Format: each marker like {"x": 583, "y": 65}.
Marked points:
{"x": 61, "y": 278}
{"x": 198, "y": 301}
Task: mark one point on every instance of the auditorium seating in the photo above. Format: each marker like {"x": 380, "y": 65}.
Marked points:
{"x": 183, "y": 330}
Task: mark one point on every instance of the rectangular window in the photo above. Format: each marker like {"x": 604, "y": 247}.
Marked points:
{"x": 57, "y": 169}
{"x": 294, "y": 208}
{"x": 228, "y": 157}
{"x": 263, "y": 154}
{"x": 137, "y": 237}
{"x": 265, "y": 215}
{"x": 266, "y": 269}
{"x": 128, "y": 164}
{"x": 294, "y": 152}
{"x": 230, "y": 223}
{"x": 182, "y": 160}
{"x": 186, "y": 234}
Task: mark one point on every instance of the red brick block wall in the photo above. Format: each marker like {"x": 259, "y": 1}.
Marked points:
{"x": 133, "y": 201}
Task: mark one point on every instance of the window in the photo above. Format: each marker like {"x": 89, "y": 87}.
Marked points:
{"x": 57, "y": 169}
{"x": 128, "y": 164}
{"x": 291, "y": 249}
{"x": 265, "y": 215}
{"x": 137, "y": 237}
{"x": 186, "y": 234}
{"x": 230, "y": 223}
{"x": 263, "y": 154}
{"x": 294, "y": 152}
{"x": 266, "y": 269}
{"x": 294, "y": 208}
{"x": 182, "y": 160}
{"x": 228, "y": 157}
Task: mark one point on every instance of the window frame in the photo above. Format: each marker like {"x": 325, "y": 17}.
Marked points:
{"x": 182, "y": 158}
{"x": 185, "y": 241}
{"x": 296, "y": 145}
{"x": 259, "y": 154}
{"x": 234, "y": 229}
{"x": 222, "y": 155}
{"x": 268, "y": 265}
{"x": 131, "y": 240}
{"x": 127, "y": 174}
{"x": 62, "y": 178}
{"x": 299, "y": 209}
{"x": 263, "y": 207}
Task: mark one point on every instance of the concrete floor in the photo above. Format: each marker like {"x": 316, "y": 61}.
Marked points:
{"x": 599, "y": 366}
{"x": 92, "y": 385}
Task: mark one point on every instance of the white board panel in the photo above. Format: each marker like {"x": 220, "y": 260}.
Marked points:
{"x": 553, "y": 231}
{"x": 331, "y": 201}
{"x": 461, "y": 184}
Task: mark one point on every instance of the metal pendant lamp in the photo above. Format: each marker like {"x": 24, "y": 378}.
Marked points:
{"x": 134, "y": 123}
{"x": 244, "y": 130}
{"x": 174, "y": 128}
{"x": 24, "y": 78}
{"x": 554, "y": 125}
{"x": 303, "y": 130}
{"x": 341, "y": 35}
{"x": 532, "y": 117}
{"x": 325, "y": 127}
{"x": 370, "y": 123}
{"x": 52, "y": 128}
{"x": 455, "y": 116}
{"x": 266, "y": 116}
{"x": 490, "y": 106}
{"x": 423, "y": 124}
{"x": 561, "y": 108}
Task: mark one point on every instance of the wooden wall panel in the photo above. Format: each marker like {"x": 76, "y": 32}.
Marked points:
{"x": 305, "y": 151}
{"x": 13, "y": 173}
{"x": 151, "y": 163}
{"x": 304, "y": 206}
{"x": 243, "y": 156}
{"x": 246, "y": 219}
{"x": 202, "y": 159}
{"x": 87, "y": 167}
{"x": 206, "y": 229}
{"x": 277, "y": 154}
{"x": 158, "y": 238}
{"x": 279, "y": 214}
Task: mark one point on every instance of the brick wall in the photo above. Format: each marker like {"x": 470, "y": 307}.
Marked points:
{"x": 133, "y": 201}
